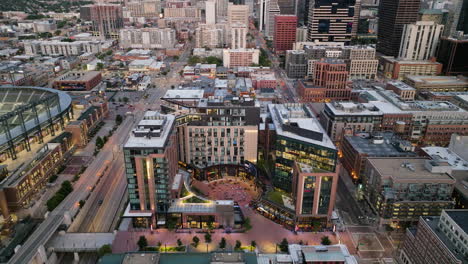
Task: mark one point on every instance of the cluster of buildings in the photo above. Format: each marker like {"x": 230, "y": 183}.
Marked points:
{"x": 39, "y": 141}
{"x": 218, "y": 135}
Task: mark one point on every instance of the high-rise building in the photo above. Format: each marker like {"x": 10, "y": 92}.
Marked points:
{"x": 419, "y": 41}
{"x": 219, "y": 132}
{"x": 284, "y": 33}
{"x": 106, "y": 19}
{"x": 147, "y": 38}
{"x": 403, "y": 189}
{"x": 393, "y": 15}
{"x": 147, "y": 8}
{"x": 151, "y": 166}
{"x": 221, "y": 10}
{"x": 301, "y": 34}
{"x": 436, "y": 240}
{"x": 333, "y": 20}
{"x": 296, "y": 64}
{"x": 360, "y": 60}
{"x": 238, "y": 14}
{"x": 210, "y": 12}
{"x": 272, "y": 9}
{"x": 238, "y": 36}
{"x": 329, "y": 82}
{"x": 305, "y": 168}
{"x": 211, "y": 36}
{"x": 287, "y": 7}
{"x": 452, "y": 53}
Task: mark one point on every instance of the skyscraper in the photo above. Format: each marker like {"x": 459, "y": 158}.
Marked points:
{"x": 151, "y": 165}
{"x": 107, "y": 19}
{"x": 272, "y": 9}
{"x": 238, "y": 14}
{"x": 210, "y": 12}
{"x": 221, "y": 10}
{"x": 419, "y": 41}
{"x": 333, "y": 20}
{"x": 284, "y": 33}
{"x": 393, "y": 15}
{"x": 452, "y": 53}
{"x": 238, "y": 36}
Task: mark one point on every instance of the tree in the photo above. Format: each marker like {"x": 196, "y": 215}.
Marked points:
{"x": 247, "y": 225}
{"x": 253, "y": 245}
{"x": 222, "y": 243}
{"x": 176, "y": 57}
{"x": 195, "y": 241}
{"x": 57, "y": 32}
{"x": 118, "y": 119}
{"x": 66, "y": 187}
{"x": 82, "y": 202}
{"x": 99, "y": 66}
{"x": 179, "y": 242}
{"x": 238, "y": 245}
{"x": 125, "y": 99}
{"x": 194, "y": 60}
{"x": 99, "y": 142}
{"x": 104, "y": 250}
{"x": 325, "y": 241}
{"x": 142, "y": 243}
{"x": 207, "y": 238}
{"x": 284, "y": 245}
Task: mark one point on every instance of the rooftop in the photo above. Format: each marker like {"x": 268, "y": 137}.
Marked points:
{"x": 78, "y": 76}
{"x": 151, "y": 132}
{"x": 179, "y": 206}
{"x": 445, "y": 154}
{"x": 435, "y": 80}
{"x": 408, "y": 170}
{"x": 184, "y": 94}
{"x": 352, "y": 108}
{"x": 297, "y": 121}
{"x": 383, "y": 145}
{"x": 460, "y": 217}
{"x": 401, "y": 85}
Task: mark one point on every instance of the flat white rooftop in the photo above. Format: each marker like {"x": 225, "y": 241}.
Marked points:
{"x": 184, "y": 94}
{"x": 151, "y": 118}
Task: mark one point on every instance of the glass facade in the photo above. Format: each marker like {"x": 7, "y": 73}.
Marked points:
{"x": 161, "y": 179}
{"x": 325, "y": 194}
{"x": 289, "y": 150}
{"x": 308, "y": 197}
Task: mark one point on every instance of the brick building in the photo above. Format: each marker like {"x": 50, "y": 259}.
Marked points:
{"x": 329, "y": 82}
{"x": 284, "y": 33}
{"x": 78, "y": 81}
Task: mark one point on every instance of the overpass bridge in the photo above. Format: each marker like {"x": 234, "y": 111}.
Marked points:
{"x": 79, "y": 242}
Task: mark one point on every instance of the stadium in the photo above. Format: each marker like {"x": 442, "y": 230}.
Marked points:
{"x": 28, "y": 115}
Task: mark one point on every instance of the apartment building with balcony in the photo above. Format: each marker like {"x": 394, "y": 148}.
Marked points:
{"x": 151, "y": 166}
{"x": 404, "y": 189}
{"x": 219, "y": 132}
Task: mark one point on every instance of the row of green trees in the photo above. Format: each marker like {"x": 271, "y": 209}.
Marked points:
{"x": 208, "y": 60}
{"x": 283, "y": 245}
{"x": 59, "y": 196}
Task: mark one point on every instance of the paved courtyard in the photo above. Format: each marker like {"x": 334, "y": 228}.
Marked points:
{"x": 231, "y": 189}
{"x": 264, "y": 232}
